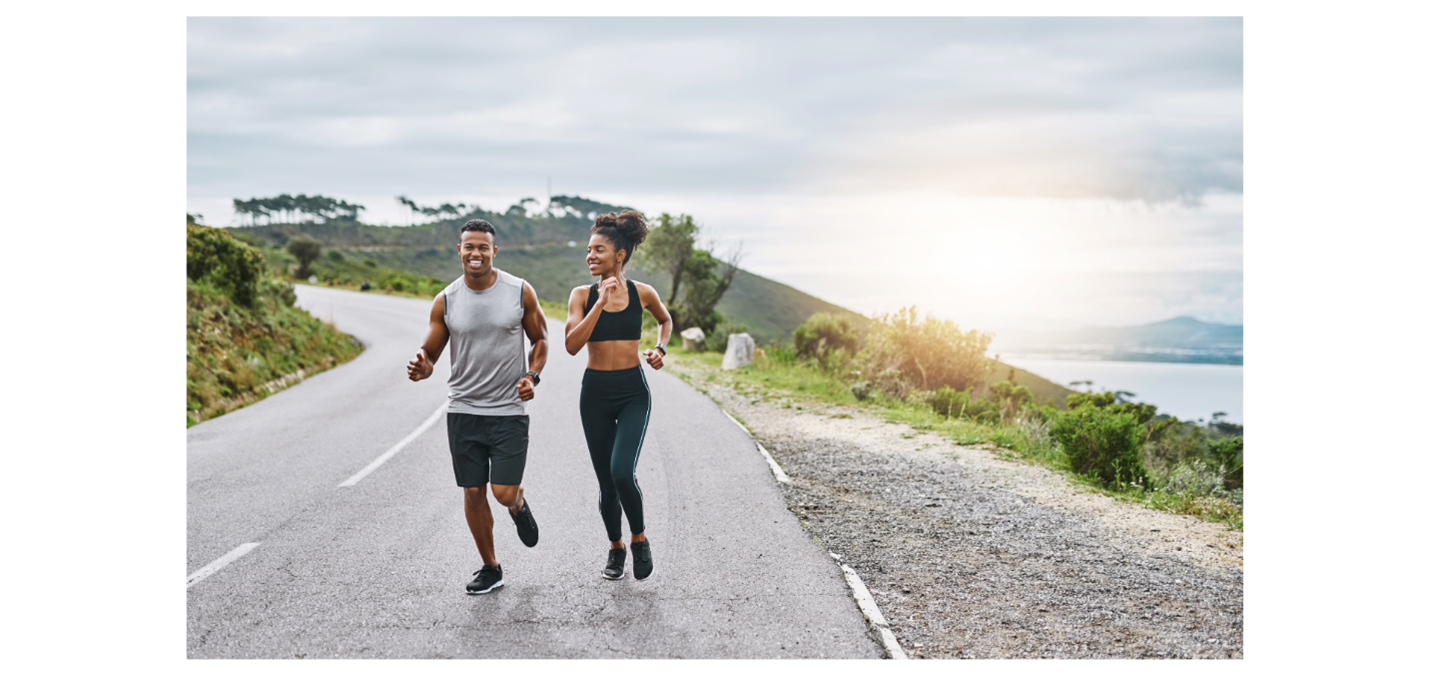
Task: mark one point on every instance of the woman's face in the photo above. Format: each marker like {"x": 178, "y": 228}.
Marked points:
{"x": 602, "y": 256}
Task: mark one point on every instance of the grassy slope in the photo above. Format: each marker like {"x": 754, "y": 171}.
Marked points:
{"x": 793, "y": 384}
{"x": 233, "y": 351}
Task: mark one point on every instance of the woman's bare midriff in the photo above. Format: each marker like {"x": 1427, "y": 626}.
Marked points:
{"x": 613, "y": 355}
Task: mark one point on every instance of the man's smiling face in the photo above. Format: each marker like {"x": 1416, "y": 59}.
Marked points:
{"x": 477, "y": 251}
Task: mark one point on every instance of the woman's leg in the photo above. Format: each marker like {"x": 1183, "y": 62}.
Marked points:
{"x": 599, "y": 422}
{"x": 631, "y": 426}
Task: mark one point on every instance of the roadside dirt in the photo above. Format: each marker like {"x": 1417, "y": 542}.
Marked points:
{"x": 970, "y": 555}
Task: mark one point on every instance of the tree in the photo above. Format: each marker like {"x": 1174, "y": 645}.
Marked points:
{"x": 306, "y": 249}
{"x": 697, "y": 278}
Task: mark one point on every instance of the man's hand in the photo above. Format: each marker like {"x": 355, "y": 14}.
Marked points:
{"x": 525, "y": 390}
{"x": 653, "y": 357}
{"x": 420, "y": 368}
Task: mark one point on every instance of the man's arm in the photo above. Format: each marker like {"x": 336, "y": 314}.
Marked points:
{"x": 420, "y": 368}
{"x": 534, "y": 322}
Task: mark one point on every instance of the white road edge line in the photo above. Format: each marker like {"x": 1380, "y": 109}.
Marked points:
{"x": 774, "y": 466}
{"x": 437, "y": 415}
{"x": 219, "y": 564}
{"x": 871, "y": 610}
{"x": 780, "y": 474}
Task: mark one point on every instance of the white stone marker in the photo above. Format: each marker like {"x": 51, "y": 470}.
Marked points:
{"x": 740, "y": 352}
{"x": 692, "y": 339}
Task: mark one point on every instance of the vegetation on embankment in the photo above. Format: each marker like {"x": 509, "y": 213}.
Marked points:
{"x": 934, "y": 377}
{"x": 246, "y": 339}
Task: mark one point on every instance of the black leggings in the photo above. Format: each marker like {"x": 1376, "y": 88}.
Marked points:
{"x": 615, "y": 409}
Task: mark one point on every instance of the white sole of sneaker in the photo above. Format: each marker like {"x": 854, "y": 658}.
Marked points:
{"x": 493, "y": 587}
{"x": 606, "y": 576}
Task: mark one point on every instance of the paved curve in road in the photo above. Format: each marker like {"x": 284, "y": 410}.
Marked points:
{"x": 378, "y": 569}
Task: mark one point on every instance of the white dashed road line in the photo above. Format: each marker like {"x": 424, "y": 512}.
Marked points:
{"x": 437, "y": 415}
{"x": 219, "y": 564}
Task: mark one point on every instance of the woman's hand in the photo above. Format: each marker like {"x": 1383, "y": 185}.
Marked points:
{"x": 653, "y": 357}
{"x": 606, "y": 287}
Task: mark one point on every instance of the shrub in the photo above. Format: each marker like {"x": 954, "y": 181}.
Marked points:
{"x": 226, "y": 263}
{"x": 861, "y": 390}
{"x": 306, "y": 249}
{"x": 1102, "y": 444}
{"x": 1011, "y": 398}
{"x": 1227, "y": 452}
{"x": 824, "y": 332}
{"x": 1193, "y": 479}
{"x": 907, "y": 353}
{"x": 950, "y": 402}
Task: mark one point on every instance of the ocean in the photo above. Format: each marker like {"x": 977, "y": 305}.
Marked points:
{"x": 1189, "y": 391}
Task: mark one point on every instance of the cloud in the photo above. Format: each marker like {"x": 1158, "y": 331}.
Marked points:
{"x": 1108, "y": 108}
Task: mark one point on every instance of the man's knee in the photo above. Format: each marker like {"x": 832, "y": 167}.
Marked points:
{"x": 506, "y": 494}
{"x": 475, "y": 495}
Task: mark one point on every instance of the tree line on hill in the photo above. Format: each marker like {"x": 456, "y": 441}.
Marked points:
{"x": 285, "y": 208}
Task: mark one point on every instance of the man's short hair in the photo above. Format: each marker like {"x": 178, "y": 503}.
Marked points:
{"x": 479, "y": 225}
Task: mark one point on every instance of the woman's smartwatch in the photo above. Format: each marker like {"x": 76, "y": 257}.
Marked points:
{"x": 535, "y": 379}
{"x": 661, "y": 347}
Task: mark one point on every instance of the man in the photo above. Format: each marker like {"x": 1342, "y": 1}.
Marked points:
{"x": 484, "y": 314}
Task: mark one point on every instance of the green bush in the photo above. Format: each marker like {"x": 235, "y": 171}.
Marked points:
{"x": 823, "y": 332}
{"x": 1011, "y": 399}
{"x": 950, "y": 402}
{"x": 1102, "y": 444}
{"x": 862, "y": 390}
{"x": 1227, "y": 452}
{"x": 227, "y": 264}
{"x": 904, "y": 353}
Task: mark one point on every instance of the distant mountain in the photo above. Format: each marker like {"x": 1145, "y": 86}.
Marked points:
{"x": 1179, "y": 340}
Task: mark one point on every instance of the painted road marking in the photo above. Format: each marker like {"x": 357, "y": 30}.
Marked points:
{"x": 219, "y": 564}
{"x": 871, "y": 610}
{"x": 437, "y": 415}
{"x": 780, "y": 474}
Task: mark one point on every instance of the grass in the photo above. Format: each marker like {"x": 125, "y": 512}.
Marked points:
{"x": 796, "y": 384}
{"x": 239, "y": 355}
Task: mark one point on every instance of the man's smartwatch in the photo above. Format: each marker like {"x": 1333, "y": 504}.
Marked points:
{"x": 535, "y": 379}
{"x": 661, "y": 347}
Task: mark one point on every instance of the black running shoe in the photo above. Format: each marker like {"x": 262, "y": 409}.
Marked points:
{"x": 615, "y": 564}
{"x": 488, "y": 577}
{"x": 641, "y": 563}
{"x": 525, "y": 523}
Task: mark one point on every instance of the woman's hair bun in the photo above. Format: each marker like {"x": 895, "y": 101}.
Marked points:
{"x": 626, "y": 230}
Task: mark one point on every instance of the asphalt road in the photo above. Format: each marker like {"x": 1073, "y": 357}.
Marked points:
{"x": 379, "y": 569}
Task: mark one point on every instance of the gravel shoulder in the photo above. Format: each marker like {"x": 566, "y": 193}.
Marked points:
{"x": 970, "y": 555}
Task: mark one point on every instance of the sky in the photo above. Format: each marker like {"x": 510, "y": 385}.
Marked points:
{"x": 1007, "y": 174}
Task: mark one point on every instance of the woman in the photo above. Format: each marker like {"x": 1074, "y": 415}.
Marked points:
{"x": 605, "y": 317}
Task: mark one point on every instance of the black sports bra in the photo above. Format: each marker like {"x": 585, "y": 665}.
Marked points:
{"x": 622, "y": 325}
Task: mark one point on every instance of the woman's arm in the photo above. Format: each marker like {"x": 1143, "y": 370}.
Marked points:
{"x": 579, "y": 325}
{"x": 651, "y": 301}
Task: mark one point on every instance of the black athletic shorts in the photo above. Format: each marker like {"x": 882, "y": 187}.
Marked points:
{"x": 487, "y": 448}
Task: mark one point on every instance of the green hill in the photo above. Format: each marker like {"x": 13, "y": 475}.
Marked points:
{"x": 537, "y": 249}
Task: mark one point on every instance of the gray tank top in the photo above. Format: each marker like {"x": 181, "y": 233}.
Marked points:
{"x": 488, "y": 347}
